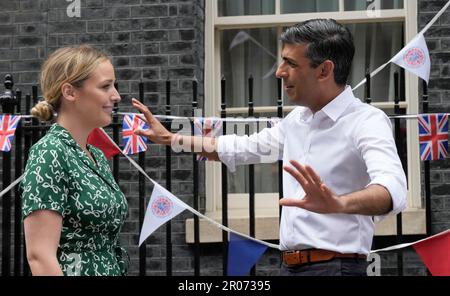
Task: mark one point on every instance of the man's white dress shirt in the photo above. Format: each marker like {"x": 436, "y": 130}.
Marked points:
{"x": 350, "y": 146}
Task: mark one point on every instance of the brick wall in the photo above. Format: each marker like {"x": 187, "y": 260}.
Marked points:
{"x": 438, "y": 40}
{"x": 149, "y": 41}
{"x": 438, "y": 44}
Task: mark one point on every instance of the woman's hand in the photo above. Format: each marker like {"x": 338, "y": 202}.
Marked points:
{"x": 156, "y": 133}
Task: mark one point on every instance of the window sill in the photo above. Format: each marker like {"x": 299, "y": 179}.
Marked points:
{"x": 267, "y": 225}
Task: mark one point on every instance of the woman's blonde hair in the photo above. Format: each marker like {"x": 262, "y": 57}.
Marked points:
{"x": 71, "y": 65}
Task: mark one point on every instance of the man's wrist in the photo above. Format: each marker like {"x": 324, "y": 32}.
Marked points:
{"x": 344, "y": 205}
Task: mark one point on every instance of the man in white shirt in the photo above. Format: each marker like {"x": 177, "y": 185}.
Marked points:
{"x": 340, "y": 159}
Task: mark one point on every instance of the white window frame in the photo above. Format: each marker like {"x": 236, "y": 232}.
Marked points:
{"x": 267, "y": 203}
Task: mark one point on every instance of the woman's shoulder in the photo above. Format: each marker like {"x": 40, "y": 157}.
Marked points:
{"x": 49, "y": 142}
{"x": 49, "y": 146}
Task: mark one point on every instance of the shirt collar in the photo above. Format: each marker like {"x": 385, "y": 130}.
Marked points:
{"x": 62, "y": 134}
{"x": 338, "y": 105}
{"x": 67, "y": 139}
{"x": 305, "y": 114}
{"x": 333, "y": 109}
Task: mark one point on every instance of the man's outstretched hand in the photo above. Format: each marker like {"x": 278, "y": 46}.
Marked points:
{"x": 156, "y": 133}
{"x": 319, "y": 198}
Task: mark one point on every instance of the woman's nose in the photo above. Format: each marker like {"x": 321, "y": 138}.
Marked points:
{"x": 116, "y": 96}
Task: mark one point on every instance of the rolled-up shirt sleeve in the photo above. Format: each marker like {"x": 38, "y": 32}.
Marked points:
{"x": 263, "y": 147}
{"x": 377, "y": 146}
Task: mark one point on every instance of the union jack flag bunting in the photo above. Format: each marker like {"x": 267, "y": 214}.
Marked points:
{"x": 207, "y": 127}
{"x": 132, "y": 143}
{"x": 433, "y": 136}
{"x": 8, "y": 125}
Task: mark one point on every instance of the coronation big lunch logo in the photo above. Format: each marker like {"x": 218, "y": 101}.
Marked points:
{"x": 162, "y": 207}
{"x": 414, "y": 57}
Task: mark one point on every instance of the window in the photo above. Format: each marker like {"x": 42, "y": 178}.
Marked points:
{"x": 239, "y": 7}
{"x": 241, "y": 39}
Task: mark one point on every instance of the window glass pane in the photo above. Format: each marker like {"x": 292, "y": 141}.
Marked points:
{"x": 296, "y": 6}
{"x": 266, "y": 179}
{"x": 376, "y": 44}
{"x": 372, "y": 5}
{"x": 245, "y": 7}
{"x": 249, "y": 52}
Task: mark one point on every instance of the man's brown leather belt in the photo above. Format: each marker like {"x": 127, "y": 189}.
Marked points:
{"x": 292, "y": 258}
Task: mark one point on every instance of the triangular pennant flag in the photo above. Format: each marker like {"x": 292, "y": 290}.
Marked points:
{"x": 97, "y": 138}
{"x": 240, "y": 37}
{"x": 8, "y": 125}
{"x": 433, "y": 136}
{"x": 271, "y": 71}
{"x": 133, "y": 143}
{"x": 243, "y": 255}
{"x": 162, "y": 207}
{"x": 415, "y": 58}
{"x": 207, "y": 127}
{"x": 435, "y": 254}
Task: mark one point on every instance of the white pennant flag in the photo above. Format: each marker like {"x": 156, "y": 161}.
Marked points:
{"x": 240, "y": 37}
{"x": 162, "y": 207}
{"x": 415, "y": 58}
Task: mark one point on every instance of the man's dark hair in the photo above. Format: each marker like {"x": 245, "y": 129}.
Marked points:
{"x": 325, "y": 39}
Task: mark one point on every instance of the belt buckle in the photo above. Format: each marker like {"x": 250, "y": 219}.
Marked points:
{"x": 292, "y": 258}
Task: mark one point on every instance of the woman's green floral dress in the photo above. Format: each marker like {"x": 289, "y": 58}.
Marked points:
{"x": 60, "y": 177}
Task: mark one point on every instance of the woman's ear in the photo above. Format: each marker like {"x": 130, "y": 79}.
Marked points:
{"x": 68, "y": 92}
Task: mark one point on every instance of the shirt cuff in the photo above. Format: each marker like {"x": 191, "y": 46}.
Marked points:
{"x": 396, "y": 189}
{"x": 225, "y": 150}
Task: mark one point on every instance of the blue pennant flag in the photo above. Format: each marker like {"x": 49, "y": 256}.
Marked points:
{"x": 243, "y": 255}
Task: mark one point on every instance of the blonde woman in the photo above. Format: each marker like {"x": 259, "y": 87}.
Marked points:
{"x": 73, "y": 209}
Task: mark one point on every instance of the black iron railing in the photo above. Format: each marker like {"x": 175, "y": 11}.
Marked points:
{"x": 30, "y": 130}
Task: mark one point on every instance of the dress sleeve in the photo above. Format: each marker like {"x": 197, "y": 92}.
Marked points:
{"x": 45, "y": 184}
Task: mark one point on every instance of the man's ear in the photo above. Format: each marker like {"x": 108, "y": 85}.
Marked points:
{"x": 326, "y": 70}
{"x": 68, "y": 92}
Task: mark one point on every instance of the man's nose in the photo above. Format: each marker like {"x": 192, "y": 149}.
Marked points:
{"x": 281, "y": 73}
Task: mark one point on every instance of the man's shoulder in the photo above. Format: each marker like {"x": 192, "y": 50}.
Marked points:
{"x": 297, "y": 111}
{"x": 362, "y": 111}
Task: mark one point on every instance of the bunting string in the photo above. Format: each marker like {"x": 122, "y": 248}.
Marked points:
{"x": 234, "y": 119}
{"x": 402, "y": 246}
{"x": 189, "y": 208}
{"x": 11, "y": 186}
{"x": 247, "y": 120}
{"x": 231, "y": 119}
{"x": 425, "y": 29}
{"x": 200, "y": 215}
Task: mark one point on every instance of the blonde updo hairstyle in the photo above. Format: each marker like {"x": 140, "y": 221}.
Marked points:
{"x": 71, "y": 65}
